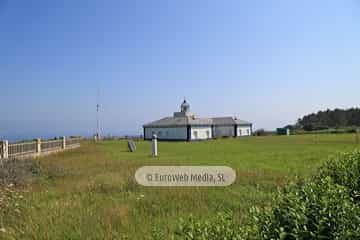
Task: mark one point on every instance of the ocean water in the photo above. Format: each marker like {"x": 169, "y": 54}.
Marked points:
{"x": 29, "y": 136}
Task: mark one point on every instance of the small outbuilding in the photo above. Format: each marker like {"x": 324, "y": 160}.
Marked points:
{"x": 283, "y": 131}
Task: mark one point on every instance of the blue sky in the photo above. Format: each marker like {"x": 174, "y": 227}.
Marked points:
{"x": 268, "y": 62}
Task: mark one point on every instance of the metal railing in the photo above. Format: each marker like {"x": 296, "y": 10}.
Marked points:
{"x": 72, "y": 141}
{"x": 51, "y": 145}
{"x": 22, "y": 148}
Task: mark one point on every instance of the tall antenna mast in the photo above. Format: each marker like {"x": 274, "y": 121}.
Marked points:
{"x": 98, "y": 112}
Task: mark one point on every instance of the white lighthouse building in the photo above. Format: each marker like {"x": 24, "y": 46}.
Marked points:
{"x": 186, "y": 126}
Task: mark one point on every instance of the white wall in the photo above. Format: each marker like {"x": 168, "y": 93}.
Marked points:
{"x": 220, "y": 131}
{"x": 173, "y": 133}
{"x": 243, "y": 131}
{"x": 199, "y": 133}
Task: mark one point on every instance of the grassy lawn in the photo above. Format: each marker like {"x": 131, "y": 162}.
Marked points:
{"x": 90, "y": 192}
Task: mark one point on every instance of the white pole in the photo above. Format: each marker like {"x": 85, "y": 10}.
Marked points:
{"x": 63, "y": 142}
{"x": 2, "y": 155}
{"x": 154, "y": 146}
{"x": 38, "y": 145}
{"x": 5, "y": 149}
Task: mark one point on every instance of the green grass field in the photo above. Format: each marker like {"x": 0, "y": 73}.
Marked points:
{"x": 90, "y": 192}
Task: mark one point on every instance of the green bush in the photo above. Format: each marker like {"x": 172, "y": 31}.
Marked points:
{"x": 351, "y": 130}
{"x": 303, "y": 210}
{"x": 222, "y": 228}
{"x": 311, "y": 210}
{"x": 324, "y": 207}
{"x": 344, "y": 170}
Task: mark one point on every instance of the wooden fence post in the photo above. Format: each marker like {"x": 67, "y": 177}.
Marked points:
{"x": 63, "y": 142}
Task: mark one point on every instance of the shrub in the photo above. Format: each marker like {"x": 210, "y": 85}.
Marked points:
{"x": 303, "y": 210}
{"x": 222, "y": 228}
{"x": 324, "y": 207}
{"x": 344, "y": 169}
{"x": 18, "y": 172}
{"x": 351, "y": 130}
{"x": 313, "y": 210}
{"x": 259, "y": 132}
{"x": 308, "y": 127}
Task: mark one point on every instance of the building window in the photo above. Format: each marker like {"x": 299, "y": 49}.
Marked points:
{"x": 160, "y": 133}
{"x": 152, "y": 133}
{"x": 248, "y": 132}
{"x": 240, "y": 132}
{"x": 167, "y": 133}
{"x": 195, "y": 134}
{"x": 208, "y": 134}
